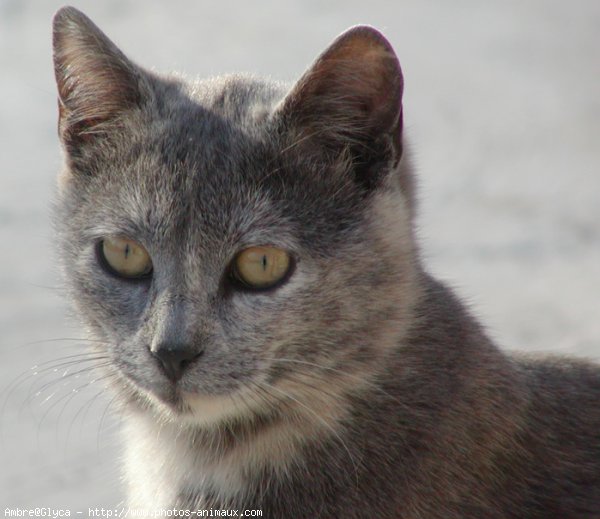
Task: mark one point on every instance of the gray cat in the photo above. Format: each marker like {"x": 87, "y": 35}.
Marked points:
{"x": 245, "y": 256}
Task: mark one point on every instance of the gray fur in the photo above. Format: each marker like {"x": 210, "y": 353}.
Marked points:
{"x": 360, "y": 387}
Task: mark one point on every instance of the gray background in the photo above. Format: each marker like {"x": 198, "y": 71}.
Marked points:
{"x": 503, "y": 115}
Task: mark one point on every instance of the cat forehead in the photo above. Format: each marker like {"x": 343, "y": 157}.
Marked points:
{"x": 182, "y": 202}
{"x": 206, "y": 140}
{"x": 226, "y": 109}
{"x": 240, "y": 98}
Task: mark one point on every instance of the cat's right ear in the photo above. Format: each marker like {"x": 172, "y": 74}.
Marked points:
{"x": 96, "y": 82}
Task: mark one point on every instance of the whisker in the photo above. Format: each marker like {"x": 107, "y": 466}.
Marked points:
{"x": 319, "y": 418}
{"x": 82, "y": 412}
{"x": 69, "y": 396}
{"x": 64, "y": 379}
{"x": 102, "y": 419}
{"x": 262, "y": 396}
{"x": 266, "y": 399}
{"x": 55, "y": 366}
{"x": 362, "y": 380}
{"x": 58, "y": 339}
{"x": 35, "y": 391}
{"x": 235, "y": 398}
{"x": 30, "y": 372}
{"x": 75, "y": 393}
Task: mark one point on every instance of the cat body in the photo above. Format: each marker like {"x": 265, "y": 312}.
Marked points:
{"x": 350, "y": 383}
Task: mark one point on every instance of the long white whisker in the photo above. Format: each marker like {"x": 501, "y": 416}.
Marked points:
{"x": 82, "y": 414}
{"x": 359, "y": 379}
{"x": 285, "y": 394}
{"x": 34, "y": 371}
{"x": 58, "y": 339}
{"x": 69, "y": 396}
{"x": 102, "y": 419}
{"x": 63, "y": 379}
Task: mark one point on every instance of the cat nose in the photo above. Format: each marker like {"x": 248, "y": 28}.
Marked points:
{"x": 175, "y": 358}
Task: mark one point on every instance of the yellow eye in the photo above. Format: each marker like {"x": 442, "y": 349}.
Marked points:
{"x": 261, "y": 267}
{"x": 125, "y": 257}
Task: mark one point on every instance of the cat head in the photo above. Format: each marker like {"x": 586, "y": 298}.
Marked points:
{"x": 235, "y": 246}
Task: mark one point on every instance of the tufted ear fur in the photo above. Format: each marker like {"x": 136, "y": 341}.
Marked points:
{"x": 350, "y": 100}
{"x": 96, "y": 82}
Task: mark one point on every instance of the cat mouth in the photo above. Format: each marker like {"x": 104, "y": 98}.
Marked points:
{"x": 163, "y": 395}
{"x": 196, "y": 407}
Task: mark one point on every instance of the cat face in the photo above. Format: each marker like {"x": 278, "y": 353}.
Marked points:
{"x": 237, "y": 248}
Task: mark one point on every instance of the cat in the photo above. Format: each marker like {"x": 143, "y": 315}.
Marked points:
{"x": 244, "y": 254}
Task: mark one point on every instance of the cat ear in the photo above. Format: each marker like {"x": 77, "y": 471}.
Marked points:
{"x": 96, "y": 82}
{"x": 350, "y": 98}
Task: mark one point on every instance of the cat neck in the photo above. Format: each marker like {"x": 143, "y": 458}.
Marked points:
{"x": 170, "y": 463}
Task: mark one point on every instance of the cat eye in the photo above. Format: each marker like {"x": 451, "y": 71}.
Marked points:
{"x": 261, "y": 267}
{"x": 124, "y": 258}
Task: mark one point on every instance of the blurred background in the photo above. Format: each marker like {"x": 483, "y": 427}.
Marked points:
{"x": 502, "y": 111}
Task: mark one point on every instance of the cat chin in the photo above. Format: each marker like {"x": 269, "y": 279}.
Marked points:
{"x": 206, "y": 410}
{"x": 188, "y": 408}
{"x": 195, "y": 409}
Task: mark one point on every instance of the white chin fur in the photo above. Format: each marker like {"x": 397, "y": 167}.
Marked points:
{"x": 204, "y": 410}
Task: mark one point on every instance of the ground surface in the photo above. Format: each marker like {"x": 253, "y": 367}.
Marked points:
{"x": 503, "y": 114}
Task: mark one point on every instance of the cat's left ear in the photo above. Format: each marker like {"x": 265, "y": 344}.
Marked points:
{"x": 350, "y": 101}
{"x": 96, "y": 82}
